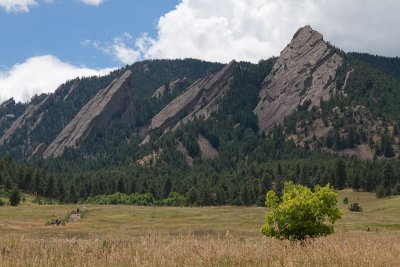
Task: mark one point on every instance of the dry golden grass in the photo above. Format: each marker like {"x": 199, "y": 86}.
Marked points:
{"x": 212, "y": 236}
{"x": 344, "y": 249}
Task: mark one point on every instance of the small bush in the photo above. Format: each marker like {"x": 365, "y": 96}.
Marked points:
{"x": 15, "y": 197}
{"x": 174, "y": 200}
{"x": 346, "y": 201}
{"x": 355, "y": 207}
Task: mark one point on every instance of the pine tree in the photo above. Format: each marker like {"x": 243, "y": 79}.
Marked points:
{"x": 121, "y": 185}
{"x": 15, "y": 197}
{"x": 61, "y": 191}
{"x": 167, "y": 187}
{"x": 50, "y": 188}
{"x": 72, "y": 196}
{"x": 340, "y": 174}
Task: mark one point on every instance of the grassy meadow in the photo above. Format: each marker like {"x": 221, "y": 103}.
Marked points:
{"x": 204, "y": 236}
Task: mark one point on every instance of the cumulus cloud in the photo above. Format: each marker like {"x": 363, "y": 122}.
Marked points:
{"x": 92, "y": 2}
{"x": 124, "y": 49}
{"x": 39, "y": 74}
{"x": 17, "y": 6}
{"x": 222, "y": 30}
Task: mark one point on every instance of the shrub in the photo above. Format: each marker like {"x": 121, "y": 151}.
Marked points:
{"x": 345, "y": 201}
{"x": 301, "y": 213}
{"x": 15, "y": 197}
{"x": 355, "y": 207}
{"x": 175, "y": 199}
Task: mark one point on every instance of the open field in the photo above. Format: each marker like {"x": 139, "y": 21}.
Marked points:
{"x": 153, "y": 236}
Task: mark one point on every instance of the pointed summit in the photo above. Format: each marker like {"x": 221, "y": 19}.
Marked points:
{"x": 305, "y": 71}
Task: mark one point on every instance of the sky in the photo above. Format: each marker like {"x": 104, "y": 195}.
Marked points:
{"x": 43, "y": 43}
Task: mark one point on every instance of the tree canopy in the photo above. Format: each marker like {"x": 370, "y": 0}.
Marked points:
{"x": 301, "y": 213}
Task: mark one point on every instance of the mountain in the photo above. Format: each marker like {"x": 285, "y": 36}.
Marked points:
{"x": 215, "y": 133}
{"x": 305, "y": 72}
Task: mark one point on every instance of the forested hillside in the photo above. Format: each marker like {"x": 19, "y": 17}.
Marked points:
{"x": 189, "y": 132}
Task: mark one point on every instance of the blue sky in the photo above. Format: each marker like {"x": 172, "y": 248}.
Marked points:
{"x": 60, "y": 28}
{"x": 43, "y": 43}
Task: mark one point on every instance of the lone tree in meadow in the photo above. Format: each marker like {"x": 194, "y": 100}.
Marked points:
{"x": 301, "y": 213}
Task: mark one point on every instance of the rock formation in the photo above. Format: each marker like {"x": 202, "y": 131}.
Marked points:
{"x": 207, "y": 151}
{"x": 306, "y": 70}
{"x": 172, "y": 86}
{"x": 32, "y": 113}
{"x": 40, "y": 149}
{"x": 200, "y": 99}
{"x": 98, "y": 112}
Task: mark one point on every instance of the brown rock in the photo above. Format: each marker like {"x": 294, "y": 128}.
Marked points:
{"x": 207, "y": 150}
{"x": 32, "y": 111}
{"x": 181, "y": 148}
{"x": 171, "y": 87}
{"x": 38, "y": 152}
{"x": 200, "y": 99}
{"x": 305, "y": 70}
{"x": 98, "y": 112}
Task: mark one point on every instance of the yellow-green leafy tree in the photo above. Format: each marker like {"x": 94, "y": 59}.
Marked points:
{"x": 301, "y": 213}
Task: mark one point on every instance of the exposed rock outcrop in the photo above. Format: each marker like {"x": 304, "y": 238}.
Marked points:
{"x": 172, "y": 86}
{"x": 32, "y": 113}
{"x": 207, "y": 151}
{"x": 40, "y": 149}
{"x": 110, "y": 105}
{"x": 200, "y": 99}
{"x": 71, "y": 90}
{"x": 306, "y": 70}
{"x": 7, "y": 104}
{"x": 181, "y": 148}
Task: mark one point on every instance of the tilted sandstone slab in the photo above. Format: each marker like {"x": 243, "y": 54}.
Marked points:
{"x": 306, "y": 70}
{"x": 99, "y": 112}
{"x": 32, "y": 113}
{"x": 200, "y": 99}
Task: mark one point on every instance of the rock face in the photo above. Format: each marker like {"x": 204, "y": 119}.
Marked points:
{"x": 200, "y": 99}
{"x": 172, "y": 86}
{"x": 32, "y": 113}
{"x": 110, "y": 105}
{"x": 305, "y": 71}
{"x": 207, "y": 150}
{"x": 40, "y": 149}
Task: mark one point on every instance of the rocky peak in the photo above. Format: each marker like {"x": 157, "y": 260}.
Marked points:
{"x": 99, "y": 112}
{"x": 305, "y": 71}
{"x": 8, "y": 103}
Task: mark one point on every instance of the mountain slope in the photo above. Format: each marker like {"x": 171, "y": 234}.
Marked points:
{"x": 215, "y": 133}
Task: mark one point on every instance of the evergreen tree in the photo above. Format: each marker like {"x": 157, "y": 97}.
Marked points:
{"x": 340, "y": 174}
{"x": 167, "y": 187}
{"x": 72, "y": 196}
{"x": 388, "y": 176}
{"x": 15, "y": 197}
{"x": 121, "y": 185}
{"x": 50, "y": 187}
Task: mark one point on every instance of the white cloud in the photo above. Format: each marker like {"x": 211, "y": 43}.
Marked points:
{"x": 222, "y": 30}
{"x": 17, "y": 6}
{"x": 40, "y": 74}
{"x": 92, "y": 2}
{"x": 121, "y": 48}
